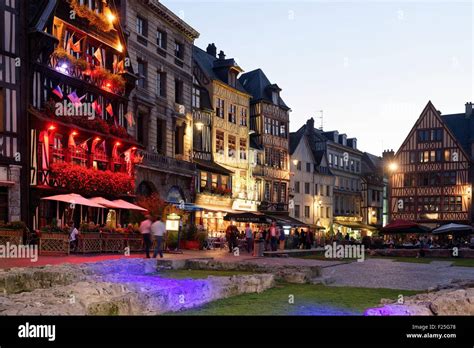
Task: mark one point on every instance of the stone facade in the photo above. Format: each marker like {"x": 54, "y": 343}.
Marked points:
{"x": 160, "y": 51}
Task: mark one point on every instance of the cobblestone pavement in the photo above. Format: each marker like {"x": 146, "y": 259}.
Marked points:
{"x": 372, "y": 273}
{"x": 386, "y": 273}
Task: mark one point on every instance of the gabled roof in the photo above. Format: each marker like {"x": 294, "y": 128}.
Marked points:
{"x": 260, "y": 87}
{"x": 462, "y": 128}
{"x": 456, "y": 131}
{"x": 371, "y": 163}
{"x": 313, "y": 136}
{"x": 209, "y": 63}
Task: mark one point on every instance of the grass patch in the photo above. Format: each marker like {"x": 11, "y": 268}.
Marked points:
{"x": 200, "y": 274}
{"x": 308, "y": 300}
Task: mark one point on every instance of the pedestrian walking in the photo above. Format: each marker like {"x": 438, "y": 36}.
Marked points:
{"x": 273, "y": 237}
{"x": 249, "y": 237}
{"x": 158, "y": 230}
{"x": 145, "y": 230}
{"x": 282, "y": 240}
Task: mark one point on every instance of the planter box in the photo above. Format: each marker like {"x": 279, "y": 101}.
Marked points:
{"x": 89, "y": 243}
{"x": 135, "y": 242}
{"x": 13, "y": 237}
{"x": 54, "y": 244}
{"x": 113, "y": 242}
{"x": 189, "y": 244}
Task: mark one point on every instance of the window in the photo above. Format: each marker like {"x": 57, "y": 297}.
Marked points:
{"x": 232, "y": 78}
{"x": 203, "y": 181}
{"x": 214, "y": 181}
{"x": 161, "y": 39}
{"x": 429, "y": 204}
{"x": 243, "y": 149}
{"x": 430, "y": 135}
{"x": 196, "y": 97}
{"x": 352, "y": 166}
{"x": 220, "y": 142}
{"x": 267, "y": 192}
{"x": 308, "y": 167}
{"x": 275, "y": 98}
{"x": 282, "y": 192}
{"x": 298, "y": 165}
{"x": 408, "y": 204}
{"x": 224, "y": 182}
{"x": 409, "y": 180}
{"x": 220, "y": 107}
{"x": 297, "y": 211}
{"x": 330, "y": 160}
{"x": 449, "y": 178}
{"x": 283, "y": 130}
{"x": 142, "y": 72}
{"x": 328, "y": 213}
{"x": 179, "y": 50}
{"x": 413, "y": 156}
{"x": 243, "y": 117}
{"x": 142, "y": 26}
{"x": 316, "y": 189}
{"x": 306, "y": 188}
{"x": 306, "y": 211}
{"x": 268, "y": 125}
{"x": 161, "y": 84}
{"x": 232, "y": 113}
{"x": 297, "y": 187}
{"x": 336, "y": 160}
{"x": 231, "y": 146}
{"x": 275, "y": 195}
{"x": 178, "y": 91}
{"x": 357, "y": 167}
{"x": 453, "y": 203}
{"x": 4, "y": 204}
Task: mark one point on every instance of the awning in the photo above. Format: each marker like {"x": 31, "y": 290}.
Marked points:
{"x": 356, "y": 225}
{"x": 404, "y": 226}
{"x": 453, "y": 228}
{"x": 105, "y": 202}
{"x": 215, "y": 208}
{"x": 258, "y": 218}
{"x": 73, "y": 198}
{"x": 212, "y": 167}
{"x": 126, "y": 205}
{"x": 288, "y": 221}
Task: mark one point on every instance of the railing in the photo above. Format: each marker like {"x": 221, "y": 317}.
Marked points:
{"x": 165, "y": 162}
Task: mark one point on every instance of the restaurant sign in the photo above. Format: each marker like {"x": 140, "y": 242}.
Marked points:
{"x": 244, "y": 205}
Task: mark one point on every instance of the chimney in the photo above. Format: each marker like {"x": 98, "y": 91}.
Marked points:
{"x": 211, "y": 49}
{"x": 310, "y": 125}
{"x": 221, "y": 55}
{"x": 388, "y": 156}
{"x": 469, "y": 109}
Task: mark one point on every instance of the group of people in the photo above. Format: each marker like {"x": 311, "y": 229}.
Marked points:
{"x": 153, "y": 227}
{"x": 302, "y": 239}
{"x": 272, "y": 236}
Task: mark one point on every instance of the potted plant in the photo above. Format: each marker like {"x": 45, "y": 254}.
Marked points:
{"x": 54, "y": 240}
{"x": 190, "y": 240}
{"x": 12, "y": 233}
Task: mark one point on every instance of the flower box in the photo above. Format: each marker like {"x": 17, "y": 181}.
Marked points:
{"x": 54, "y": 244}
{"x": 113, "y": 242}
{"x": 89, "y": 243}
{"x": 13, "y": 237}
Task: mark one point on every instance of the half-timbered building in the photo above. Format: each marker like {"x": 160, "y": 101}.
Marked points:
{"x": 77, "y": 105}
{"x": 432, "y": 184}
{"x": 269, "y": 123}
{"x": 12, "y": 77}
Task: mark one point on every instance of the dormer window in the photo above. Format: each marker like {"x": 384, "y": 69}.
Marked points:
{"x": 232, "y": 78}
{"x": 275, "y": 98}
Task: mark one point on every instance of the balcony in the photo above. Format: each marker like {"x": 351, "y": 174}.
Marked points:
{"x": 168, "y": 164}
{"x": 269, "y": 172}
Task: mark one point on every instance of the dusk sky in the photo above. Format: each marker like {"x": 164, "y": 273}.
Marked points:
{"x": 370, "y": 65}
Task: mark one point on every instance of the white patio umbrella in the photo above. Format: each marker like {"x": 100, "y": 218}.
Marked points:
{"x": 106, "y": 203}
{"x": 451, "y": 228}
{"x": 126, "y": 205}
{"x": 73, "y": 198}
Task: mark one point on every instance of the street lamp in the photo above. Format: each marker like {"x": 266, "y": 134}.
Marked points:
{"x": 392, "y": 167}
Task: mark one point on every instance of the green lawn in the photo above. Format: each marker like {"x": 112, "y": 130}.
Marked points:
{"x": 308, "y": 300}
{"x": 200, "y": 274}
